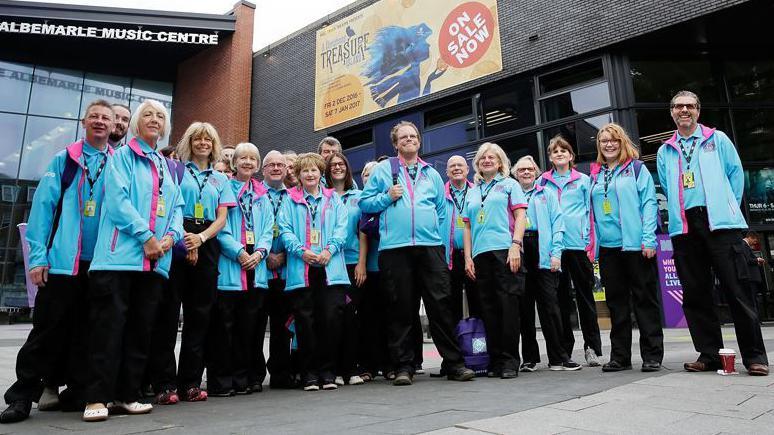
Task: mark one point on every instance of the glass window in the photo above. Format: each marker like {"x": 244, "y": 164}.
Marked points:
{"x": 751, "y": 80}
{"x": 56, "y": 92}
{"x": 572, "y": 76}
{"x": 656, "y": 126}
{"x": 755, "y": 135}
{"x": 111, "y": 88}
{"x": 438, "y": 161}
{"x": 457, "y": 111}
{"x": 11, "y": 130}
{"x": 581, "y": 134}
{"x": 15, "y": 82}
{"x": 579, "y": 101}
{"x": 352, "y": 139}
{"x": 519, "y": 146}
{"x": 658, "y": 81}
{"x": 448, "y": 136}
{"x": 44, "y": 138}
{"x": 507, "y": 108}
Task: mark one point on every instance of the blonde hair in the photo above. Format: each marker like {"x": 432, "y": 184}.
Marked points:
{"x": 485, "y": 147}
{"x": 194, "y": 131}
{"x": 134, "y": 127}
{"x": 307, "y": 160}
{"x": 530, "y": 159}
{"x": 560, "y": 142}
{"x": 242, "y": 148}
{"x": 626, "y": 148}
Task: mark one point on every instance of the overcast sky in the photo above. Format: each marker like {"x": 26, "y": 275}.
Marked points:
{"x": 274, "y": 19}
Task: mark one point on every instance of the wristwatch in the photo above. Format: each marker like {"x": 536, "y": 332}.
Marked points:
{"x": 516, "y": 242}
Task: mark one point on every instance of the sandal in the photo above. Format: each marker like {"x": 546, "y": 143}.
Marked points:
{"x": 168, "y": 397}
{"x": 95, "y": 414}
{"x": 195, "y": 394}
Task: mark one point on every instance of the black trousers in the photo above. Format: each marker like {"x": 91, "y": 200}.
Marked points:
{"x": 540, "y": 287}
{"x": 401, "y": 268}
{"x": 698, "y": 254}
{"x": 277, "y": 307}
{"x": 348, "y": 362}
{"x": 498, "y": 291}
{"x": 459, "y": 281}
{"x": 232, "y": 344}
{"x": 162, "y": 364}
{"x": 318, "y": 310}
{"x": 631, "y": 281}
{"x": 56, "y": 348}
{"x": 373, "y": 351}
{"x": 122, "y": 309}
{"x": 577, "y": 268}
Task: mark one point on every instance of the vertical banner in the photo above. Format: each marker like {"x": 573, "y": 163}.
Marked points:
{"x": 671, "y": 289}
{"x": 397, "y": 50}
{"x": 32, "y": 289}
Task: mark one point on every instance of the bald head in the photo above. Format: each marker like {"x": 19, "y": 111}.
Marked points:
{"x": 275, "y": 168}
{"x": 457, "y": 170}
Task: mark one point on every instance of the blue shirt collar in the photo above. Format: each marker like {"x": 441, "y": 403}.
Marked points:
{"x": 145, "y": 147}
{"x": 496, "y": 178}
{"x": 89, "y": 150}
{"x": 192, "y": 165}
{"x": 696, "y": 134}
{"x": 273, "y": 190}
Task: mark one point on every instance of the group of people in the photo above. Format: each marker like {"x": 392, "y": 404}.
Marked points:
{"x": 338, "y": 273}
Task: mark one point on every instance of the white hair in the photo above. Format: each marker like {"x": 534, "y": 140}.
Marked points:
{"x": 244, "y": 148}
{"x": 538, "y": 171}
{"x": 134, "y": 122}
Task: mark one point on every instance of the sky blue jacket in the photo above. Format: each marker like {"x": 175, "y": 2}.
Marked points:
{"x": 351, "y": 198}
{"x": 451, "y": 231}
{"x": 414, "y": 219}
{"x": 233, "y": 238}
{"x": 295, "y": 224}
{"x": 636, "y": 209}
{"x": 722, "y": 180}
{"x": 544, "y": 205}
{"x": 574, "y": 199}
{"x": 276, "y": 198}
{"x": 129, "y": 217}
{"x": 65, "y": 252}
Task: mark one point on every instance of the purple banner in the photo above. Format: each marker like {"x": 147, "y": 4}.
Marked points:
{"x": 32, "y": 290}
{"x": 671, "y": 289}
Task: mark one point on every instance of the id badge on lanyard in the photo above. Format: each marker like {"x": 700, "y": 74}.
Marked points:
{"x": 161, "y": 207}
{"x": 250, "y": 237}
{"x": 90, "y": 208}
{"x": 314, "y": 236}
{"x": 689, "y": 182}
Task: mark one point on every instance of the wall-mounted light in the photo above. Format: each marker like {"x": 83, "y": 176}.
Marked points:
{"x": 267, "y": 53}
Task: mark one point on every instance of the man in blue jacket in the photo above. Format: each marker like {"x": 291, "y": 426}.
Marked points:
{"x": 410, "y": 196}
{"x": 702, "y": 177}
{"x": 62, "y": 232}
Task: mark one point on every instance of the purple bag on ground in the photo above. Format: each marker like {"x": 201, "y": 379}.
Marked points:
{"x": 471, "y": 336}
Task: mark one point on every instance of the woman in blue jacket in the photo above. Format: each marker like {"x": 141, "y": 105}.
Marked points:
{"x": 140, "y": 222}
{"x": 242, "y": 282}
{"x": 623, "y": 219}
{"x": 494, "y": 219}
{"x": 338, "y": 176}
{"x": 572, "y": 190}
{"x": 313, "y": 227}
{"x": 543, "y": 244}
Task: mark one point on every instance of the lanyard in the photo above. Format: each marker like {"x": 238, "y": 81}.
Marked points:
{"x": 196, "y": 179}
{"x": 275, "y": 206}
{"x": 92, "y": 181}
{"x": 160, "y": 167}
{"x": 247, "y": 209}
{"x": 464, "y": 193}
{"x": 312, "y": 207}
{"x": 689, "y": 154}
{"x": 529, "y": 194}
{"x": 485, "y": 194}
{"x": 412, "y": 171}
{"x": 608, "y": 176}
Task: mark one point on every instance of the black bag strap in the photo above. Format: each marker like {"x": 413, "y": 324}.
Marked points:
{"x": 68, "y": 175}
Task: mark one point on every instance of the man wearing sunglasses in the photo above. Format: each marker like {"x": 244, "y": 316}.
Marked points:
{"x": 702, "y": 177}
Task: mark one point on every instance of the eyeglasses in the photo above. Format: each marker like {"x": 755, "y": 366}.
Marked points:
{"x": 689, "y": 106}
{"x": 609, "y": 141}
{"x": 338, "y": 165}
{"x": 275, "y": 165}
{"x": 523, "y": 170}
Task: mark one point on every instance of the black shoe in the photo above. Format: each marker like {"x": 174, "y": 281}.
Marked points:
{"x": 244, "y": 391}
{"x": 17, "y": 411}
{"x": 615, "y": 366}
{"x": 220, "y": 393}
{"x": 494, "y": 373}
{"x": 509, "y": 374}
{"x": 651, "y": 366}
{"x": 461, "y": 374}
{"x": 281, "y": 383}
{"x": 257, "y": 388}
{"x": 403, "y": 378}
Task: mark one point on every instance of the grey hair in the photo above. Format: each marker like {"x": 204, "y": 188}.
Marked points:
{"x": 530, "y": 159}
{"x": 685, "y": 94}
{"x": 134, "y": 122}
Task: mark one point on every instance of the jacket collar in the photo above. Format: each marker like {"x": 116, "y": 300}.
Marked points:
{"x": 706, "y": 133}
{"x": 75, "y": 151}
{"x": 447, "y": 188}
{"x": 298, "y": 196}
{"x": 257, "y": 187}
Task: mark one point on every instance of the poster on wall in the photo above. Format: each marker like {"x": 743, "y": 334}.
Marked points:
{"x": 397, "y": 50}
{"x": 671, "y": 289}
{"x": 759, "y": 193}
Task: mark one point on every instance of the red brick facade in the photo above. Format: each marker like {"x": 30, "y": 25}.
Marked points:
{"x": 214, "y": 85}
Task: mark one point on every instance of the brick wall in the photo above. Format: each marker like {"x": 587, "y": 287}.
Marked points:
{"x": 214, "y": 85}
{"x": 283, "y": 81}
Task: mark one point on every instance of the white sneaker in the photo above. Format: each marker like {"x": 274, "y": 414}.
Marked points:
{"x": 330, "y": 386}
{"x": 49, "y": 400}
{"x": 131, "y": 407}
{"x": 339, "y": 381}
{"x": 356, "y": 380}
{"x": 591, "y": 358}
{"x": 95, "y": 414}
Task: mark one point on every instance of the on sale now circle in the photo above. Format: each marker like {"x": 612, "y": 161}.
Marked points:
{"x": 466, "y": 34}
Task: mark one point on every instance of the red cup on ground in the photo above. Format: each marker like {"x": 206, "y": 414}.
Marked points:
{"x": 727, "y": 357}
